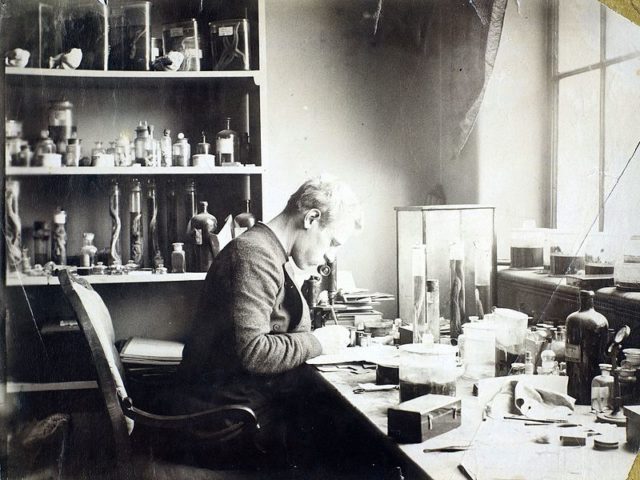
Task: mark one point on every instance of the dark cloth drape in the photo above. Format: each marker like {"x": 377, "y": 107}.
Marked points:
{"x": 460, "y": 40}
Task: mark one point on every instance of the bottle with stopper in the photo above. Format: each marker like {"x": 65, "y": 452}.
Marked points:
{"x": 245, "y": 220}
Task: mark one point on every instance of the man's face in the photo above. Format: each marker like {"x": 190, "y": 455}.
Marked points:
{"x": 315, "y": 242}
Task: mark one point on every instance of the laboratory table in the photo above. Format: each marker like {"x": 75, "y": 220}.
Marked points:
{"x": 499, "y": 449}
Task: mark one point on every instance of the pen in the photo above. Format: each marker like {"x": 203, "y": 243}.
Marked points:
{"x": 466, "y": 472}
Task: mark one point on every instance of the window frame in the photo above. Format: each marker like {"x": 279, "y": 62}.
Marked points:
{"x": 556, "y": 77}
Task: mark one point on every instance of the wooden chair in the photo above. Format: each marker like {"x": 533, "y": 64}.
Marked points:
{"x": 204, "y": 430}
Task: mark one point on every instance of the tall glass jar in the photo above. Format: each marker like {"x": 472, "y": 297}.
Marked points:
{"x": 41, "y": 242}
{"x": 59, "y": 245}
{"x": 433, "y": 309}
{"x": 418, "y": 263}
{"x": 135, "y": 223}
{"x": 204, "y": 241}
{"x": 585, "y": 347}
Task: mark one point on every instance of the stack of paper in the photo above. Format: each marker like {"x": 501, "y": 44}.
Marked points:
{"x": 149, "y": 358}
{"x": 147, "y": 351}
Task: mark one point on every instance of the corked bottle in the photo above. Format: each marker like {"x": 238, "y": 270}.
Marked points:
{"x": 585, "y": 347}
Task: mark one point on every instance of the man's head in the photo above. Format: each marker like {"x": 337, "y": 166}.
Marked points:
{"x": 326, "y": 212}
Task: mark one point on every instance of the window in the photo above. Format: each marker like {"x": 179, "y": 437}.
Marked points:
{"x": 596, "y": 89}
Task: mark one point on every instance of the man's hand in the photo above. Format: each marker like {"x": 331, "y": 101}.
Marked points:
{"x": 333, "y": 338}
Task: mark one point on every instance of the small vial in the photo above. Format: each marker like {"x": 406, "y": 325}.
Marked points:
{"x": 528, "y": 364}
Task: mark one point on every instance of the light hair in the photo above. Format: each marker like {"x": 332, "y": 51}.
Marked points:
{"x": 333, "y": 198}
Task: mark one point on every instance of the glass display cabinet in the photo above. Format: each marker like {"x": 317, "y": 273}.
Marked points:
{"x": 458, "y": 251}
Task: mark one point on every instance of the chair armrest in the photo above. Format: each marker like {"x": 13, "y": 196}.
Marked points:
{"x": 230, "y": 421}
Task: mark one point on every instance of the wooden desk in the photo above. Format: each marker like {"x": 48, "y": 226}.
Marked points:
{"x": 501, "y": 449}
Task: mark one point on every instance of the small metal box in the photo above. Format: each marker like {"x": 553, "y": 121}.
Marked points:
{"x": 423, "y": 418}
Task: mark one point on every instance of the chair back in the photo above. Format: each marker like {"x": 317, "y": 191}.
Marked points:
{"x": 95, "y": 323}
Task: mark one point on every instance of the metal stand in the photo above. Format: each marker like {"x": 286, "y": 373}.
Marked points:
{"x": 616, "y": 416}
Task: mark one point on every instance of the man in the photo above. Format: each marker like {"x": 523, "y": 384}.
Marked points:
{"x": 252, "y": 329}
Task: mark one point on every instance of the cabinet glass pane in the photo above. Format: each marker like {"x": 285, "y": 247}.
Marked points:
{"x": 623, "y": 36}
{"x": 622, "y": 115}
{"x": 578, "y": 157}
{"x": 578, "y": 34}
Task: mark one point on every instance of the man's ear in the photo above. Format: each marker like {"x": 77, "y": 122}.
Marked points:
{"x": 311, "y": 217}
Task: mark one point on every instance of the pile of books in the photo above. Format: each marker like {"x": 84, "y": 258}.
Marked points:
{"x": 354, "y": 308}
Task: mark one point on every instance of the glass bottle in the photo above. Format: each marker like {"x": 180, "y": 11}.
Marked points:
{"x": 548, "y": 361}
{"x": 154, "y": 251}
{"x": 166, "y": 146}
{"x": 140, "y": 143}
{"x": 181, "y": 151}
{"x": 172, "y": 217}
{"x": 88, "y": 250}
{"x": 602, "y": 389}
{"x": 41, "y": 243}
{"x": 433, "y": 309}
{"x": 177, "y": 258}
{"x": 227, "y": 145}
{"x": 151, "y": 149}
{"x": 115, "y": 249}
{"x": 97, "y": 152}
{"x": 59, "y": 245}
{"x": 557, "y": 344}
{"x": 246, "y": 220}
{"x": 135, "y": 225}
{"x": 44, "y": 146}
{"x": 585, "y": 347}
{"x": 205, "y": 245}
{"x": 74, "y": 152}
{"x": 191, "y": 209}
{"x": 528, "y": 363}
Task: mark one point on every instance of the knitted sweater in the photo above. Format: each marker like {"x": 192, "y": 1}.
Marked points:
{"x": 252, "y": 318}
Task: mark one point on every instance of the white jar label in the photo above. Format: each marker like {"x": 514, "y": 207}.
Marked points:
{"x": 193, "y": 52}
{"x": 225, "y": 31}
{"x": 572, "y": 353}
{"x": 224, "y": 145}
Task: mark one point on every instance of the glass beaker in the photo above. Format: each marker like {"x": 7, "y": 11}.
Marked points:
{"x": 427, "y": 368}
{"x": 566, "y": 254}
{"x": 510, "y": 330}
{"x": 479, "y": 349}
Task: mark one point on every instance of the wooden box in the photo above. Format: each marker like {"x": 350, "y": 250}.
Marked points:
{"x": 633, "y": 425}
{"x": 421, "y": 418}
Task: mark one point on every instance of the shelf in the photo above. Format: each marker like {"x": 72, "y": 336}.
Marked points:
{"x": 17, "y": 280}
{"x": 133, "y": 171}
{"x": 125, "y": 74}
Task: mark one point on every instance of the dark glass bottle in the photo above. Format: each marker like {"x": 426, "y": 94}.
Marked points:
{"x": 191, "y": 209}
{"x": 585, "y": 347}
{"x": 245, "y": 220}
{"x": 204, "y": 242}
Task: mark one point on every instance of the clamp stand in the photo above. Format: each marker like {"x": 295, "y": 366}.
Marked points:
{"x": 616, "y": 416}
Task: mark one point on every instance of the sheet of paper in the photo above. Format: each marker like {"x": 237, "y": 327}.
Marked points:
{"x": 385, "y": 354}
{"x": 138, "y": 348}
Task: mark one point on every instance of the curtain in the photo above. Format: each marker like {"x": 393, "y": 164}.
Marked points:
{"x": 627, "y": 8}
{"x": 460, "y": 39}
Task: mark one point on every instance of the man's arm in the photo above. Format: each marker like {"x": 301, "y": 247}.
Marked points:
{"x": 255, "y": 280}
